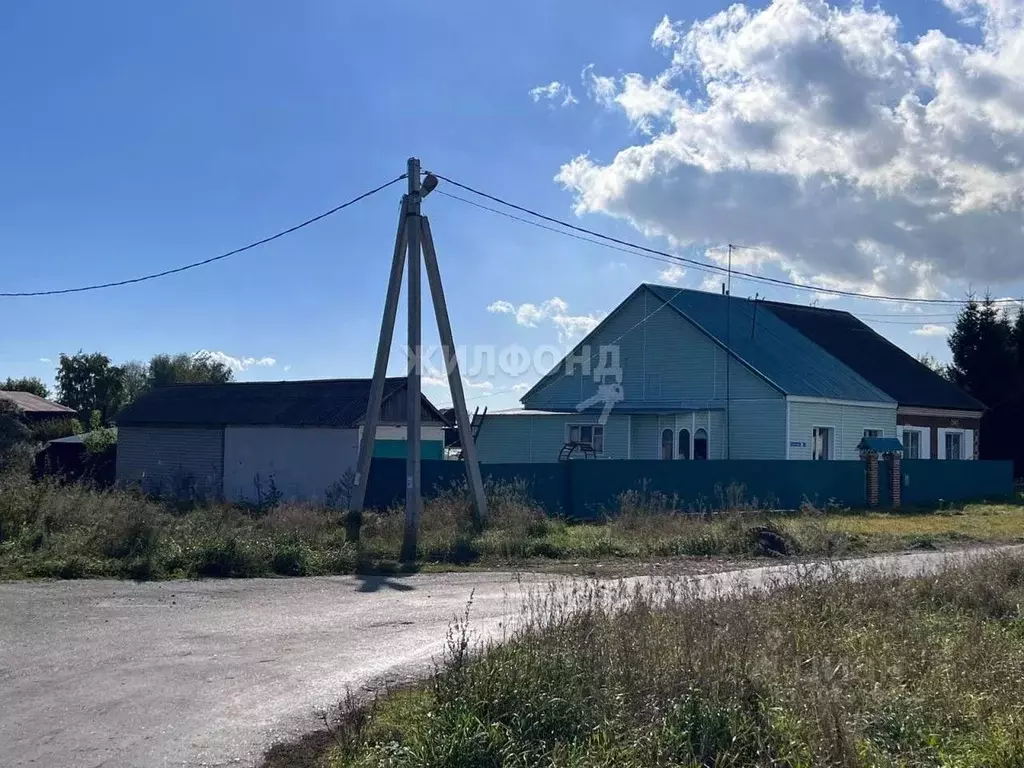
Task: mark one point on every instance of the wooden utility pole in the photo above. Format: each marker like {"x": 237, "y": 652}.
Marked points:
{"x": 413, "y": 237}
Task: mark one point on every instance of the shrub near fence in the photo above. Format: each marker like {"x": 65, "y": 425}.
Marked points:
{"x": 585, "y": 489}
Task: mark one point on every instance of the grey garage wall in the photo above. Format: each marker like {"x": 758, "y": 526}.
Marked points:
{"x": 303, "y": 461}
{"x": 164, "y": 459}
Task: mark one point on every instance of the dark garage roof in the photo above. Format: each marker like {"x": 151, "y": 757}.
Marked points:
{"x": 902, "y": 377}
{"x": 323, "y": 403}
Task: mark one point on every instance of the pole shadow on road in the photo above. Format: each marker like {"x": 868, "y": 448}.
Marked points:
{"x": 374, "y": 582}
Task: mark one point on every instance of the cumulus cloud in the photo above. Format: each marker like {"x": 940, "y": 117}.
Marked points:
{"x": 554, "y": 309}
{"x": 522, "y": 386}
{"x": 672, "y": 274}
{"x": 555, "y": 93}
{"x": 931, "y": 330}
{"x": 853, "y": 157}
{"x": 237, "y": 364}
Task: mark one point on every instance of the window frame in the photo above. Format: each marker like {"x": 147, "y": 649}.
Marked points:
{"x": 671, "y": 444}
{"x": 707, "y": 444}
{"x": 906, "y": 443}
{"x": 679, "y": 444}
{"x": 961, "y": 440}
{"x": 924, "y": 437}
{"x": 876, "y": 433}
{"x": 596, "y": 435}
{"x": 831, "y": 442}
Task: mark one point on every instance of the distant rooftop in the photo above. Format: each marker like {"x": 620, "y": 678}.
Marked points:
{"x": 322, "y": 403}
{"x": 28, "y": 403}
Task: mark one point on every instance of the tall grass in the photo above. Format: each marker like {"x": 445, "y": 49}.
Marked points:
{"x": 821, "y": 672}
{"x": 70, "y": 531}
{"x": 47, "y": 529}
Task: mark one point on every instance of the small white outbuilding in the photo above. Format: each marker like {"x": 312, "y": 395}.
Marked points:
{"x": 237, "y": 441}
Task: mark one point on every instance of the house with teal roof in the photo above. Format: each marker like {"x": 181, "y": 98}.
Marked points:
{"x": 690, "y": 375}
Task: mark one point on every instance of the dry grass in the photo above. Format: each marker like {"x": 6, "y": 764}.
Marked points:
{"x": 75, "y": 531}
{"x": 826, "y": 671}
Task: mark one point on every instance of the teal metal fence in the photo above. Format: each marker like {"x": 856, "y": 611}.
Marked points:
{"x": 930, "y": 483}
{"x": 588, "y": 489}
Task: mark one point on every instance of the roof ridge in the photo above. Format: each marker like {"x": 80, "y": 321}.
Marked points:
{"x": 368, "y": 380}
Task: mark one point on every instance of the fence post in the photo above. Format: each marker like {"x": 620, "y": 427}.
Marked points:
{"x": 895, "y": 480}
{"x": 872, "y": 478}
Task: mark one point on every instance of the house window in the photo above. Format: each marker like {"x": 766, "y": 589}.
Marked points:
{"x": 911, "y": 444}
{"x": 700, "y": 444}
{"x": 587, "y": 434}
{"x": 954, "y": 445}
{"x": 684, "y": 444}
{"x": 821, "y": 443}
{"x": 666, "y": 444}
{"x": 872, "y": 433}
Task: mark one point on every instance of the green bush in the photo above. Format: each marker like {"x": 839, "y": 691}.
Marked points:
{"x": 54, "y": 429}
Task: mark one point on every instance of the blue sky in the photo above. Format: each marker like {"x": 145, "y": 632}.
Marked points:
{"x": 137, "y": 138}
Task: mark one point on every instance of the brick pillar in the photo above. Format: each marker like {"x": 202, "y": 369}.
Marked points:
{"x": 895, "y": 480}
{"x": 872, "y": 467}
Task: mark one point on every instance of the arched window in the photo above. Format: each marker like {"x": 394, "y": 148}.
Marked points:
{"x": 666, "y": 444}
{"x": 684, "y": 444}
{"x": 700, "y": 444}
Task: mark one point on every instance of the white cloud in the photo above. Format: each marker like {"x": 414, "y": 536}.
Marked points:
{"x": 434, "y": 379}
{"x": 554, "y": 309}
{"x": 45, "y": 360}
{"x": 287, "y": 368}
{"x": 712, "y": 283}
{"x": 600, "y": 88}
{"x": 856, "y": 158}
{"x": 931, "y": 330}
{"x": 556, "y": 93}
{"x": 672, "y": 274}
{"x": 522, "y": 386}
{"x": 237, "y": 364}
{"x": 501, "y": 306}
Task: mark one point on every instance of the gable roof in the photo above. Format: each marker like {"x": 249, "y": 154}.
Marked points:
{"x": 26, "y": 402}
{"x": 323, "y": 403}
{"x": 875, "y": 358}
{"x": 775, "y": 350}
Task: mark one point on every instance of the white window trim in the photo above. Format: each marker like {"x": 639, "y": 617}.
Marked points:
{"x": 689, "y": 446}
{"x": 693, "y": 441}
{"x": 966, "y": 442}
{"x": 879, "y": 430}
{"x": 835, "y": 448}
{"x": 592, "y": 425}
{"x": 925, "y": 437}
{"x": 661, "y": 441}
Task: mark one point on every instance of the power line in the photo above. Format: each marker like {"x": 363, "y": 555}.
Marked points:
{"x": 673, "y": 260}
{"x": 703, "y": 266}
{"x": 212, "y": 259}
{"x": 613, "y": 342}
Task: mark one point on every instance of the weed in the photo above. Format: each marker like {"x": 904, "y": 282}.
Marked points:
{"x": 825, "y": 670}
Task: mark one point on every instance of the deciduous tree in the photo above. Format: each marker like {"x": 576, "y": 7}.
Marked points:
{"x": 31, "y": 384}
{"x": 88, "y": 381}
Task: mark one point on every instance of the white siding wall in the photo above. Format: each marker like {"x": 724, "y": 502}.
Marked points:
{"x": 647, "y": 430}
{"x": 847, "y": 421}
{"x": 303, "y": 461}
{"x": 167, "y": 460}
{"x": 516, "y": 438}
